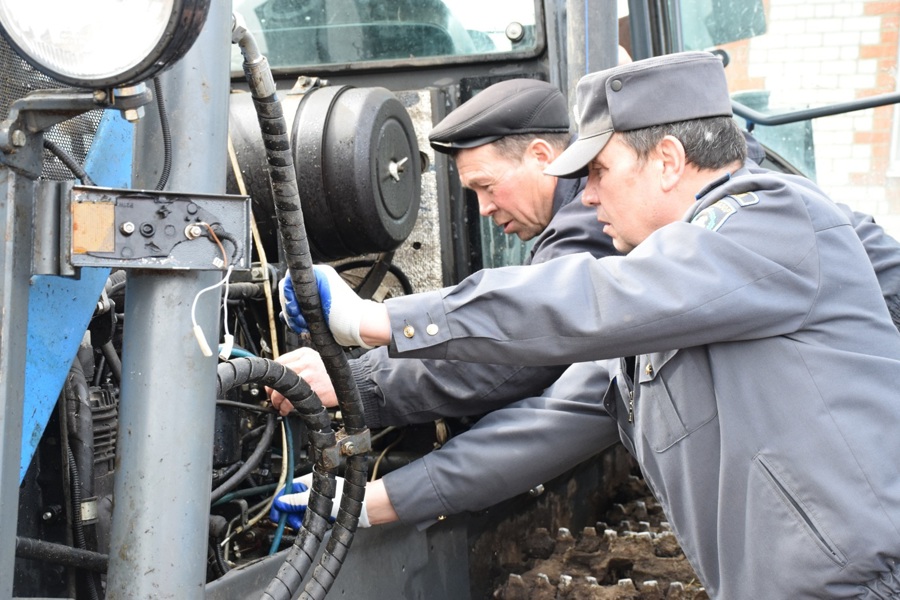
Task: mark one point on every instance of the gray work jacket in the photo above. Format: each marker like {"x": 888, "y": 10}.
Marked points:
{"x": 763, "y": 405}
{"x": 458, "y": 478}
{"x": 406, "y": 392}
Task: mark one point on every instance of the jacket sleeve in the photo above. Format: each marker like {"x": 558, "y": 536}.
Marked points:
{"x": 396, "y": 392}
{"x": 753, "y": 275}
{"x": 417, "y": 391}
{"x": 508, "y": 451}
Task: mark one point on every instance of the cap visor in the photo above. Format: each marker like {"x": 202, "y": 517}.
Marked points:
{"x": 573, "y": 162}
{"x": 448, "y": 147}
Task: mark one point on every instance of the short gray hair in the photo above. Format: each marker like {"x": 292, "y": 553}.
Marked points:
{"x": 709, "y": 143}
{"x": 512, "y": 147}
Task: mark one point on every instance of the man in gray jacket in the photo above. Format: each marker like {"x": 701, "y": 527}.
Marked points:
{"x": 758, "y": 392}
{"x": 501, "y": 140}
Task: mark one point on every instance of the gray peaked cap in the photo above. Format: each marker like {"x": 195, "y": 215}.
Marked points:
{"x": 656, "y": 91}
{"x": 511, "y": 107}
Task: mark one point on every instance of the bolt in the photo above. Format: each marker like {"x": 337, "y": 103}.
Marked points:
{"x": 347, "y": 448}
{"x": 192, "y": 232}
{"x": 18, "y": 138}
{"x": 132, "y": 115}
{"x": 395, "y": 168}
{"x": 127, "y": 228}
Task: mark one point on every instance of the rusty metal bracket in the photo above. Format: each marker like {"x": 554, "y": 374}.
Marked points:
{"x": 346, "y": 445}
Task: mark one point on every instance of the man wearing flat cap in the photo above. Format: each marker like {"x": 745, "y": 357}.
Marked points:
{"x": 759, "y": 389}
{"x": 502, "y": 140}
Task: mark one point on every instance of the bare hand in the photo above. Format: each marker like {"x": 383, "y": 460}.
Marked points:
{"x": 306, "y": 363}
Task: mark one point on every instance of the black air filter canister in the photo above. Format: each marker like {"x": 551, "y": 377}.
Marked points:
{"x": 358, "y": 169}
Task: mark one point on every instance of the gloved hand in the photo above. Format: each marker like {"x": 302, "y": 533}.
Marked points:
{"x": 340, "y": 304}
{"x": 295, "y": 514}
{"x": 295, "y": 504}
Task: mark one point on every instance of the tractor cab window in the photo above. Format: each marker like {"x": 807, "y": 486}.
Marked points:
{"x": 304, "y": 33}
{"x": 785, "y": 57}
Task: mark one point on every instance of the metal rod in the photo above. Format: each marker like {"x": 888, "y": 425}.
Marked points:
{"x": 158, "y": 539}
{"x": 757, "y": 118}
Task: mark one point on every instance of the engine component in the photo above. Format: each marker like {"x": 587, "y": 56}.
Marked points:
{"x": 357, "y": 164}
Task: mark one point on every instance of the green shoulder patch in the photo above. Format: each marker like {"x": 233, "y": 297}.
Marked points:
{"x": 714, "y": 216}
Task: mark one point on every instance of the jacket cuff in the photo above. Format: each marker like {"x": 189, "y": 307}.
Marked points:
{"x": 413, "y": 495}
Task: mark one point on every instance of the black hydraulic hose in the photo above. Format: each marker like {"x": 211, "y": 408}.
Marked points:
{"x": 243, "y": 370}
{"x": 252, "y": 462}
{"x": 166, "y": 134}
{"x": 77, "y": 524}
{"x": 67, "y": 159}
{"x": 80, "y": 425}
{"x": 59, "y": 554}
{"x": 245, "y": 291}
{"x": 113, "y": 360}
{"x": 292, "y": 233}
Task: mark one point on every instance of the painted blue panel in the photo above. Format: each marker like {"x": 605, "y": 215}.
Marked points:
{"x": 60, "y": 308}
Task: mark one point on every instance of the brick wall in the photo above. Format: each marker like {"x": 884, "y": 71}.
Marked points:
{"x": 818, "y": 52}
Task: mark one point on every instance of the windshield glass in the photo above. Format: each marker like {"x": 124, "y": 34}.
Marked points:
{"x": 298, "y": 33}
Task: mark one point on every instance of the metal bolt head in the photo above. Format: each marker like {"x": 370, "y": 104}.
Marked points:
{"x": 347, "y": 448}
{"x": 193, "y": 231}
{"x": 127, "y": 228}
{"x": 132, "y": 115}
{"x": 17, "y": 137}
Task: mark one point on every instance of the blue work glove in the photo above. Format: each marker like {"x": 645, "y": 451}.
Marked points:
{"x": 294, "y": 512}
{"x": 340, "y": 304}
{"x": 295, "y": 504}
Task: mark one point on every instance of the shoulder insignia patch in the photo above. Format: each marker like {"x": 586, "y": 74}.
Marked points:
{"x": 746, "y": 199}
{"x": 714, "y": 216}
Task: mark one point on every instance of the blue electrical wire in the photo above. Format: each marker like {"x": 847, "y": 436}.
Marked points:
{"x": 279, "y": 531}
{"x": 238, "y": 352}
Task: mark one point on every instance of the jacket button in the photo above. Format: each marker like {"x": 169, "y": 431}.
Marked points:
{"x": 409, "y": 331}
{"x": 432, "y": 329}
{"x": 649, "y": 370}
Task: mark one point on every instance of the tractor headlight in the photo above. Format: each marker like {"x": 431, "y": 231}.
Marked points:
{"x": 102, "y": 43}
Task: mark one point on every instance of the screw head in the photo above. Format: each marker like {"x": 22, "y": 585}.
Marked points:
{"x": 17, "y": 137}
{"x": 127, "y": 228}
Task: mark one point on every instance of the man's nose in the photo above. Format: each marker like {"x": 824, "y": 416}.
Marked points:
{"x": 486, "y": 207}
{"x": 590, "y": 197}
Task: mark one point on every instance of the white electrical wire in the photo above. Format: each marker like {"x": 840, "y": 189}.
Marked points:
{"x": 198, "y": 331}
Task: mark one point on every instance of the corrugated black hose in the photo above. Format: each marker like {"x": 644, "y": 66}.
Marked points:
{"x": 239, "y": 371}
{"x": 292, "y": 233}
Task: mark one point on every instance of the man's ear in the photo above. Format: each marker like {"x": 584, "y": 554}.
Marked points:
{"x": 540, "y": 150}
{"x": 671, "y": 152}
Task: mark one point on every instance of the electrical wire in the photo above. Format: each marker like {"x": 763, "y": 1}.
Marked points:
{"x": 67, "y": 159}
{"x": 282, "y": 519}
{"x": 198, "y": 331}
{"x": 260, "y": 251}
{"x": 166, "y": 134}
{"x": 267, "y": 503}
{"x": 384, "y": 453}
{"x": 243, "y": 406}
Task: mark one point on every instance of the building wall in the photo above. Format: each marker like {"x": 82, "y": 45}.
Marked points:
{"x": 819, "y": 52}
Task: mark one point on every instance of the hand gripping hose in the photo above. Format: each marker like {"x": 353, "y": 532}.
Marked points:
{"x": 355, "y": 437}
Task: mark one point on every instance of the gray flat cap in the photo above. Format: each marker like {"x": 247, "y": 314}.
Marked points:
{"x": 511, "y": 107}
{"x": 665, "y": 89}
